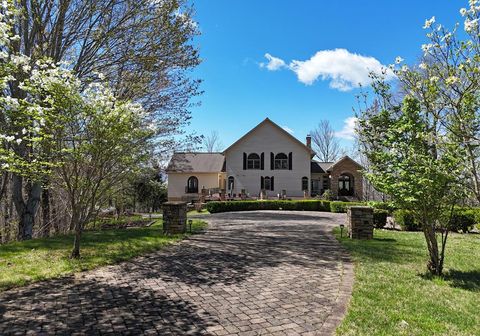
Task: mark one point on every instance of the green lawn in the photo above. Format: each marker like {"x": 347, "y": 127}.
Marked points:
{"x": 38, "y": 259}
{"x": 391, "y": 286}
{"x": 196, "y": 213}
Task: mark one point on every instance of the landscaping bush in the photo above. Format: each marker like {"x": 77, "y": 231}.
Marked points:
{"x": 463, "y": 220}
{"x": 304, "y": 205}
{"x": 327, "y": 195}
{"x": 405, "y": 219}
{"x": 342, "y": 206}
{"x": 380, "y": 218}
{"x": 382, "y": 205}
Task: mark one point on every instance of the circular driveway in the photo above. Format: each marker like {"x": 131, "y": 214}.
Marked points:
{"x": 251, "y": 273}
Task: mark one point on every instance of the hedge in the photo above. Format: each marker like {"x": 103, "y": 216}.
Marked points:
{"x": 463, "y": 220}
{"x": 380, "y": 218}
{"x": 342, "y": 206}
{"x": 405, "y": 219}
{"x": 382, "y": 206}
{"x": 304, "y": 205}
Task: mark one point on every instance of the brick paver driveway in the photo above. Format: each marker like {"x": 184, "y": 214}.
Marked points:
{"x": 269, "y": 273}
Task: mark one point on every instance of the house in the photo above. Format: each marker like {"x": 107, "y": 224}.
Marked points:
{"x": 267, "y": 162}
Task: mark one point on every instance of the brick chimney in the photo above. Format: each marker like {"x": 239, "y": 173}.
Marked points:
{"x": 309, "y": 141}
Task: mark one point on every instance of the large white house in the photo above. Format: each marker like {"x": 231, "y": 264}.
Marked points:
{"x": 267, "y": 161}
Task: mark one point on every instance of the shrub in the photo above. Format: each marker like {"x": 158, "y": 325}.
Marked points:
{"x": 405, "y": 219}
{"x": 327, "y": 195}
{"x": 463, "y": 220}
{"x": 304, "y": 205}
{"x": 342, "y": 206}
{"x": 380, "y": 218}
{"x": 382, "y": 205}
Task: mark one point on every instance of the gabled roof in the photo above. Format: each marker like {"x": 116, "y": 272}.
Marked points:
{"x": 319, "y": 167}
{"x": 268, "y": 121}
{"x": 343, "y": 158}
{"x": 196, "y": 162}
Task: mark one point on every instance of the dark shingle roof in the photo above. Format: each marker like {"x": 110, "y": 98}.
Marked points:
{"x": 197, "y": 162}
{"x": 320, "y": 167}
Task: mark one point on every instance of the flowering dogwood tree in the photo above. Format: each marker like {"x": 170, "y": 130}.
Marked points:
{"x": 447, "y": 83}
{"x": 35, "y": 93}
{"x": 423, "y": 147}
{"x": 105, "y": 140}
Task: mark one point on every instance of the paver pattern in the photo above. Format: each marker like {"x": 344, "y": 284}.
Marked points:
{"x": 251, "y": 273}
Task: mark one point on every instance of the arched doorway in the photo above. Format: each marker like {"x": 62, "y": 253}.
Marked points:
{"x": 345, "y": 185}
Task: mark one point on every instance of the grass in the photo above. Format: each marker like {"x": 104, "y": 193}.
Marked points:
{"x": 392, "y": 294}
{"x": 39, "y": 259}
{"x": 196, "y": 213}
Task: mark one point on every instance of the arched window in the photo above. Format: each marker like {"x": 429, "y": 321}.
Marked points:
{"x": 281, "y": 161}
{"x": 253, "y": 161}
{"x": 192, "y": 185}
{"x": 231, "y": 183}
{"x": 345, "y": 185}
{"x": 304, "y": 183}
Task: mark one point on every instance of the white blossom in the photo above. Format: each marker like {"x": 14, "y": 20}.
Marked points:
{"x": 423, "y": 66}
{"x": 398, "y": 60}
{"x": 470, "y": 25}
{"x": 428, "y": 23}
{"x": 426, "y": 47}
{"x": 463, "y": 11}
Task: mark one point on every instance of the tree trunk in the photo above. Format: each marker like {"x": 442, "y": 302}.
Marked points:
{"x": 76, "y": 223}
{"x": 26, "y": 210}
{"x": 435, "y": 264}
{"x": 46, "y": 213}
{"x": 56, "y": 222}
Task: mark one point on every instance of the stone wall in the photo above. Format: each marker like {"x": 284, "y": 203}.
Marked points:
{"x": 174, "y": 217}
{"x": 360, "y": 222}
{"x": 350, "y": 167}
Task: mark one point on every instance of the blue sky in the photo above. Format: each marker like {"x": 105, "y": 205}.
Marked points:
{"x": 240, "y": 90}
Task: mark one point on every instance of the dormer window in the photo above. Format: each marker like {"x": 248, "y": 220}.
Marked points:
{"x": 253, "y": 161}
{"x": 281, "y": 161}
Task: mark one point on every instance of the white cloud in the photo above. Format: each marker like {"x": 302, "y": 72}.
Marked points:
{"x": 274, "y": 63}
{"x": 288, "y": 129}
{"x": 344, "y": 70}
{"x": 348, "y": 130}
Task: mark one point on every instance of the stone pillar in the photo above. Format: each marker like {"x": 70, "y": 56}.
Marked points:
{"x": 360, "y": 222}
{"x": 174, "y": 217}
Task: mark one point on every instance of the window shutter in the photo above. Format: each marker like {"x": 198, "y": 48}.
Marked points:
{"x": 262, "y": 184}
{"x": 272, "y": 159}
{"x": 272, "y": 188}
{"x": 290, "y": 161}
{"x": 244, "y": 161}
{"x": 262, "y": 161}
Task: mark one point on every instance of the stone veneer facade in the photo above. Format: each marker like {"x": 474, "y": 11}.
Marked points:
{"x": 360, "y": 222}
{"x": 174, "y": 217}
{"x": 349, "y": 167}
